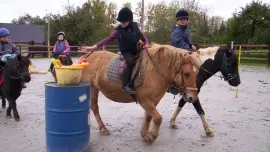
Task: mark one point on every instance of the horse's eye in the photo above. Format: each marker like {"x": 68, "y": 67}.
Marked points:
{"x": 186, "y": 75}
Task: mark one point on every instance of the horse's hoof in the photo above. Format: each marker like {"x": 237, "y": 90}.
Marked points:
{"x": 149, "y": 138}
{"x": 9, "y": 117}
{"x": 174, "y": 126}
{"x": 17, "y": 118}
{"x": 209, "y": 132}
{"x": 105, "y": 132}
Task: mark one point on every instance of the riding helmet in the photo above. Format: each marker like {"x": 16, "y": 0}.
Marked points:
{"x": 4, "y": 31}
{"x": 124, "y": 15}
{"x": 61, "y": 33}
{"x": 182, "y": 14}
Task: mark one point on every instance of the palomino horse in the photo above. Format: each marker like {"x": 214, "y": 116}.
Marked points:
{"x": 214, "y": 59}
{"x": 155, "y": 70}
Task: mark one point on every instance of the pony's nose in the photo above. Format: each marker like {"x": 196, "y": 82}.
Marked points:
{"x": 190, "y": 99}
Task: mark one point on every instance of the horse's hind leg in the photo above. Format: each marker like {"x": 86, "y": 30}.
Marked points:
{"x": 209, "y": 131}
{"x": 181, "y": 104}
{"x": 150, "y": 108}
{"x": 94, "y": 107}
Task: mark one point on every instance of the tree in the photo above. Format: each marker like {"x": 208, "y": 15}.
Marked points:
{"x": 28, "y": 19}
{"x": 96, "y": 19}
{"x": 127, "y": 4}
{"x": 251, "y": 24}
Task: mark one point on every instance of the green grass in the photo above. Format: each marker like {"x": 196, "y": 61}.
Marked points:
{"x": 254, "y": 63}
{"x": 260, "y": 54}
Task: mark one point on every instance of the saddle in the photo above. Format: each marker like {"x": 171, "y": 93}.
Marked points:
{"x": 116, "y": 66}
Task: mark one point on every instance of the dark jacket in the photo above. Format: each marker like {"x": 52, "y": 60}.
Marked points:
{"x": 127, "y": 37}
{"x": 181, "y": 37}
{"x": 8, "y": 48}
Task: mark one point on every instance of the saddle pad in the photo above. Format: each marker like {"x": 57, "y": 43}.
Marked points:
{"x": 114, "y": 73}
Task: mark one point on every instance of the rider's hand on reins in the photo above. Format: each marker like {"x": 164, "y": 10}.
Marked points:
{"x": 146, "y": 46}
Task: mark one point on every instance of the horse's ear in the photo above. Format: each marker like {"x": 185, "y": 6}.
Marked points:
{"x": 19, "y": 57}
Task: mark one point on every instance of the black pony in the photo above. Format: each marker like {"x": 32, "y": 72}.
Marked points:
{"x": 13, "y": 74}
{"x": 224, "y": 61}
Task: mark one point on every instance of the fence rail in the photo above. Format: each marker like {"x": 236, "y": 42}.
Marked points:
{"x": 32, "y": 50}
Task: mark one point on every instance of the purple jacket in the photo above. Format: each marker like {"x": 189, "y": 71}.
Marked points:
{"x": 57, "y": 47}
{"x": 115, "y": 35}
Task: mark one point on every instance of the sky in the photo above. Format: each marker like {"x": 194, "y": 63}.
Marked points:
{"x": 11, "y": 9}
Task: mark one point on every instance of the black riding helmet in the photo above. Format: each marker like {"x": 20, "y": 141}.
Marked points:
{"x": 61, "y": 33}
{"x": 182, "y": 14}
{"x": 124, "y": 15}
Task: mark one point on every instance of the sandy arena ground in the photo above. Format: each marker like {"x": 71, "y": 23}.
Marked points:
{"x": 240, "y": 124}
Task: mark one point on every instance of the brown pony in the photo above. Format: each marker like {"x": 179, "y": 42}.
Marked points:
{"x": 162, "y": 64}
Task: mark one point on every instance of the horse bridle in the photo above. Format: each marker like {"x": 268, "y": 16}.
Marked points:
{"x": 225, "y": 66}
{"x": 181, "y": 89}
{"x": 19, "y": 75}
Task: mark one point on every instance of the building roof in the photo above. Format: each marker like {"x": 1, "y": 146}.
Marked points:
{"x": 23, "y": 33}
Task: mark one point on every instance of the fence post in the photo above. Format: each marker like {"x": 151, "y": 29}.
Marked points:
{"x": 268, "y": 62}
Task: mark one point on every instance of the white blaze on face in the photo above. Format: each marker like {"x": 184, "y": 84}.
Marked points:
{"x": 194, "y": 68}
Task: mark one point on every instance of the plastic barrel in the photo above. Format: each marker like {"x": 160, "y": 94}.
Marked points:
{"x": 66, "y": 117}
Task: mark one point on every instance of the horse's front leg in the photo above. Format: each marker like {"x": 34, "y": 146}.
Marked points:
{"x": 15, "y": 111}
{"x": 3, "y": 102}
{"x": 150, "y": 109}
{"x": 181, "y": 104}
{"x": 8, "y": 111}
{"x": 146, "y": 124}
{"x": 95, "y": 109}
{"x": 209, "y": 131}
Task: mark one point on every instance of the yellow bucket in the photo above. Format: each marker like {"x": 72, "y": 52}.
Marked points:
{"x": 68, "y": 75}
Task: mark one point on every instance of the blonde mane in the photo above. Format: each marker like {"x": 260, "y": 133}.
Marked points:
{"x": 173, "y": 56}
{"x": 208, "y": 53}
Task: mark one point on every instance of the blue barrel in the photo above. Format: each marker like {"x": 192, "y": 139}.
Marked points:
{"x": 66, "y": 117}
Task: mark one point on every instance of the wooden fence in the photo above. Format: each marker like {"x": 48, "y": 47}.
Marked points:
{"x": 33, "y": 50}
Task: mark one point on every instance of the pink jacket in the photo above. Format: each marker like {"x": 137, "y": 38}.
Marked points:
{"x": 61, "y": 47}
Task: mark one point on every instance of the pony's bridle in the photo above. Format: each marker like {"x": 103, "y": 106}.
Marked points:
{"x": 18, "y": 74}
{"x": 181, "y": 89}
{"x": 225, "y": 66}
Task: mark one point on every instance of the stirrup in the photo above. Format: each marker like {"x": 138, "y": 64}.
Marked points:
{"x": 129, "y": 90}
